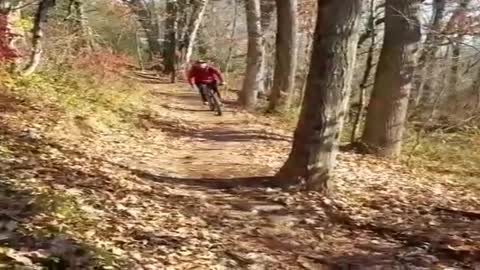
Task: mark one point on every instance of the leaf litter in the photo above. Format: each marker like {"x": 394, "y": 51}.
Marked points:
{"x": 161, "y": 197}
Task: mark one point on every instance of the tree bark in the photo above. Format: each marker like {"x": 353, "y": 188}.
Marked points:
{"x": 426, "y": 90}
{"x": 366, "y": 75}
{"x": 196, "y": 25}
{"x": 427, "y": 56}
{"x": 388, "y": 105}
{"x": 169, "y": 53}
{"x": 308, "y": 54}
{"x": 267, "y": 7}
{"x": 148, "y": 21}
{"x": 186, "y": 11}
{"x": 454, "y": 68}
{"x": 285, "y": 55}
{"x": 314, "y": 150}
{"x": 475, "y": 91}
{"x": 253, "y": 81}
{"x": 77, "y": 14}
{"x": 38, "y": 26}
{"x": 232, "y": 39}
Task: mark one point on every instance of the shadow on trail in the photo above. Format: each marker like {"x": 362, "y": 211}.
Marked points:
{"x": 210, "y": 183}
{"x": 219, "y": 134}
{"x": 205, "y": 109}
{"x": 406, "y": 244}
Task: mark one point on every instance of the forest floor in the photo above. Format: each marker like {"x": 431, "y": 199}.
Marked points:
{"x": 189, "y": 190}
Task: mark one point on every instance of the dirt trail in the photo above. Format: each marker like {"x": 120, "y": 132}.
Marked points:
{"x": 263, "y": 227}
{"x": 185, "y": 193}
{"x": 204, "y": 145}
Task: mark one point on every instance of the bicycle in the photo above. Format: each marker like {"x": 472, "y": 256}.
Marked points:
{"x": 213, "y": 100}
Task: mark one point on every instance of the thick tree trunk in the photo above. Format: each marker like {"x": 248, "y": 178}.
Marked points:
{"x": 314, "y": 150}
{"x": 253, "y": 81}
{"x": 169, "y": 53}
{"x": 196, "y": 25}
{"x": 38, "y": 26}
{"x": 308, "y": 53}
{"x": 285, "y": 55}
{"x": 148, "y": 21}
{"x": 388, "y": 105}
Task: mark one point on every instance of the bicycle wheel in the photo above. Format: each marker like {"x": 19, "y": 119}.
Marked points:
{"x": 211, "y": 102}
{"x": 217, "y": 104}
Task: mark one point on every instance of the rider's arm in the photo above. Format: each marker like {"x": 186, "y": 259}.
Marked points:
{"x": 218, "y": 74}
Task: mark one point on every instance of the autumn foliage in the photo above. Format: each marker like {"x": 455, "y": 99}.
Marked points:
{"x": 7, "y": 53}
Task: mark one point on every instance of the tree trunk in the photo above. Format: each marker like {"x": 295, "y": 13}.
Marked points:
{"x": 148, "y": 21}
{"x": 475, "y": 91}
{"x": 427, "y": 56}
{"x": 388, "y": 105}
{"x": 169, "y": 53}
{"x": 267, "y": 10}
{"x": 308, "y": 54}
{"x": 314, "y": 150}
{"x": 366, "y": 75}
{"x": 454, "y": 67}
{"x": 253, "y": 81}
{"x": 77, "y": 14}
{"x": 139, "y": 50}
{"x": 232, "y": 39}
{"x": 196, "y": 25}
{"x": 38, "y": 26}
{"x": 427, "y": 91}
{"x": 185, "y": 16}
{"x": 267, "y": 7}
{"x": 285, "y": 55}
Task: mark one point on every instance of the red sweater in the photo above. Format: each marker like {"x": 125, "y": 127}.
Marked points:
{"x": 206, "y": 75}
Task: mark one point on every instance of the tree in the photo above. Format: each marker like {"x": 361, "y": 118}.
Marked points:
{"x": 253, "y": 81}
{"x": 201, "y": 7}
{"x": 233, "y": 32}
{"x": 387, "y": 110}
{"x": 149, "y": 22}
{"x": 170, "y": 48}
{"x": 321, "y": 119}
{"x": 369, "y": 65}
{"x": 456, "y": 51}
{"x": 77, "y": 14}
{"x": 285, "y": 54}
{"x": 37, "y": 34}
{"x": 427, "y": 56}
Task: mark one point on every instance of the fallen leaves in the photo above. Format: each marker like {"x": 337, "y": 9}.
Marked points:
{"x": 131, "y": 201}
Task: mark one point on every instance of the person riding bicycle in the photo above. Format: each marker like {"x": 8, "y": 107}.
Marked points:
{"x": 204, "y": 75}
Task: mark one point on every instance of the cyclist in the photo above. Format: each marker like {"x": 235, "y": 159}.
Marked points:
{"x": 204, "y": 75}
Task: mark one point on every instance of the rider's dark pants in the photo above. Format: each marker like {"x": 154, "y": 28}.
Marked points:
{"x": 212, "y": 85}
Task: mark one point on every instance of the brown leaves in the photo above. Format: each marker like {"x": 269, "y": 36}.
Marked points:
{"x": 134, "y": 201}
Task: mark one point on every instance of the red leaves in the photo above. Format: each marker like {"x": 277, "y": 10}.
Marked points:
{"x": 103, "y": 61}
{"x": 7, "y": 52}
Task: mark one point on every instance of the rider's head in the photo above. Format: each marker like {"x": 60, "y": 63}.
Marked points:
{"x": 202, "y": 63}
